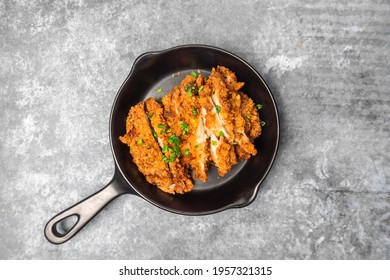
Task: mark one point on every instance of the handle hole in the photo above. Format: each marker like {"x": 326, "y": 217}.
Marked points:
{"x": 62, "y": 227}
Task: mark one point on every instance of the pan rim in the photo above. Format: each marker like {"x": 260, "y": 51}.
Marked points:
{"x": 237, "y": 204}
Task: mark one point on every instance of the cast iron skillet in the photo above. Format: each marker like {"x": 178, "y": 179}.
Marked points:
{"x": 164, "y": 69}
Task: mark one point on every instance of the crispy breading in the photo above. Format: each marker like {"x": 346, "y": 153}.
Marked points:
{"x": 200, "y": 121}
{"x": 145, "y": 150}
{"x": 218, "y": 120}
{"x": 182, "y": 113}
{"x": 251, "y": 116}
{"x": 230, "y": 78}
{"x": 180, "y": 176}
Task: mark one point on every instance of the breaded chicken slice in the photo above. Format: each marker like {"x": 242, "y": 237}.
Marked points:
{"x": 145, "y": 151}
{"x": 218, "y": 123}
{"x": 251, "y": 116}
{"x": 243, "y": 143}
{"x": 252, "y": 125}
{"x": 182, "y": 113}
{"x": 180, "y": 176}
{"x": 221, "y": 98}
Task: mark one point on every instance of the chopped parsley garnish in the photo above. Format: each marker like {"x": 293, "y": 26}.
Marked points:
{"x": 221, "y": 133}
{"x": 160, "y": 90}
{"x": 187, "y": 152}
{"x": 214, "y": 143}
{"x": 194, "y": 112}
{"x": 193, "y": 74}
{"x": 218, "y": 108}
{"x": 263, "y": 123}
{"x": 259, "y": 106}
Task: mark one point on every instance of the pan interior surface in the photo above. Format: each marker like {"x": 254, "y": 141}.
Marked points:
{"x": 152, "y": 72}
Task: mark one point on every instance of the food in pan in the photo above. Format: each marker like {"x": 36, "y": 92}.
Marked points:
{"x": 200, "y": 122}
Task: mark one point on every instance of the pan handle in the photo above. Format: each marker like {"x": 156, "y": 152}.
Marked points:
{"x": 85, "y": 210}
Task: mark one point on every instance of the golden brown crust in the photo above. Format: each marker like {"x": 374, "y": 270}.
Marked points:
{"x": 200, "y": 121}
{"x": 180, "y": 176}
{"x": 145, "y": 150}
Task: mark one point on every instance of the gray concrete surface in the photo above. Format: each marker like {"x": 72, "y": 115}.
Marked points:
{"x": 327, "y": 63}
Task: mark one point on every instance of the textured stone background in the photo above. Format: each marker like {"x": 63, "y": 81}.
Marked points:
{"x": 327, "y": 63}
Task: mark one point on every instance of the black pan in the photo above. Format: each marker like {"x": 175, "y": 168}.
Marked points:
{"x": 155, "y": 70}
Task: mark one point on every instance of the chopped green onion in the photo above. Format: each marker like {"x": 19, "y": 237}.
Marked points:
{"x": 176, "y": 150}
{"x": 214, "y": 143}
{"x": 187, "y": 87}
{"x": 221, "y": 133}
{"x": 189, "y": 92}
{"x": 155, "y": 134}
{"x": 218, "y": 108}
{"x": 165, "y": 159}
{"x": 185, "y": 128}
{"x": 174, "y": 139}
{"x": 193, "y": 74}
{"x": 200, "y": 89}
{"x": 173, "y": 157}
{"x": 187, "y": 152}
{"x": 148, "y": 147}
{"x": 139, "y": 141}
{"x": 164, "y": 149}
{"x": 197, "y": 146}
{"x": 150, "y": 115}
{"x": 160, "y": 90}
{"x": 194, "y": 112}
{"x": 262, "y": 123}
{"x": 159, "y": 100}
{"x": 259, "y": 106}
{"x": 169, "y": 130}
{"x": 248, "y": 117}
{"x": 162, "y": 127}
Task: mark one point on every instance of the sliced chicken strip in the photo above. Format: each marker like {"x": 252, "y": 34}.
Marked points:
{"x": 221, "y": 99}
{"x": 145, "y": 151}
{"x": 222, "y": 152}
{"x": 251, "y": 116}
{"x": 182, "y": 108}
{"x": 180, "y": 175}
{"x": 252, "y": 127}
{"x": 242, "y": 114}
{"x": 240, "y": 137}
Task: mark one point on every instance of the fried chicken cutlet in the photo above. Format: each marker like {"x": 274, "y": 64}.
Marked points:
{"x": 200, "y": 122}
